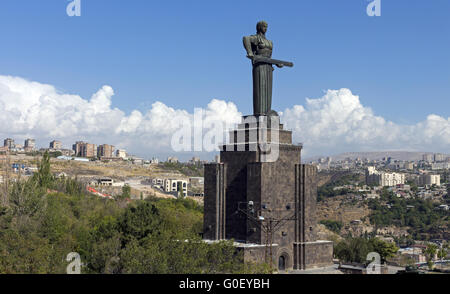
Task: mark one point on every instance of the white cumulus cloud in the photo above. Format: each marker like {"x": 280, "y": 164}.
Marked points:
{"x": 333, "y": 123}
{"x": 338, "y": 122}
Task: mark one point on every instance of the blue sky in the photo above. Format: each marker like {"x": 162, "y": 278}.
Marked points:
{"x": 185, "y": 53}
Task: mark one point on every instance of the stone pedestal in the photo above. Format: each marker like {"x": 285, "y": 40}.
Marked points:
{"x": 260, "y": 188}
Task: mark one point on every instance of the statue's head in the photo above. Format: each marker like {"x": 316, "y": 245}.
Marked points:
{"x": 261, "y": 27}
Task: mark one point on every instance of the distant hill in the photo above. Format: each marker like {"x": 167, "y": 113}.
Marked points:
{"x": 399, "y": 155}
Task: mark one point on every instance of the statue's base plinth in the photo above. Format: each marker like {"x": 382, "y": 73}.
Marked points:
{"x": 246, "y": 194}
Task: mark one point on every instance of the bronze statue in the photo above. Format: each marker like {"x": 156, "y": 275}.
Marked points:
{"x": 259, "y": 50}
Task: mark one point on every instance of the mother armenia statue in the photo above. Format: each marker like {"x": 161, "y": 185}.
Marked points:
{"x": 259, "y": 50}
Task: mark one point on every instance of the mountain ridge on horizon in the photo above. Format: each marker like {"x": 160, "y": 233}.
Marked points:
{"x": 371, "y": 155}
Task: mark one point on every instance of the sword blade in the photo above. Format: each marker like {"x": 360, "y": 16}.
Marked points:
{"x": 272, "y": 61}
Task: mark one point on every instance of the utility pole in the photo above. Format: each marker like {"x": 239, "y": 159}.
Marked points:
{"x": 268, "y": 225}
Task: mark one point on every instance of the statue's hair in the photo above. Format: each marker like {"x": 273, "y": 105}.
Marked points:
{"x": 259, "y": 26}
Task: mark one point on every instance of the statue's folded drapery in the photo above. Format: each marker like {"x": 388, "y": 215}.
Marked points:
{"x": 262, "y": 88}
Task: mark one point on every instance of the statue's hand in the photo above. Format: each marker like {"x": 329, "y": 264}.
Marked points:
{"x": 250, "y": 56}
{"x": 279, "y": 65}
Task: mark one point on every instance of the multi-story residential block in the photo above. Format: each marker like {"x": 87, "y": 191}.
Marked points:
{"x": 409, "y": 165}
{"x": 428, "y": 180}
{"x": 57, "y": 145}
{"x": 9, "y": 143}
{"x": 105, "y": 150}
{"x": 121, "y": 153}
{"x": 77, "y": 147}
{"x": 384, "y": 179}
{"x": 30, "y": 145}
{"x": 439, "y": 157}
{"x": 427, "y": 157}
{"x": 88, "y": 150}
{"x": 440, "y": 165}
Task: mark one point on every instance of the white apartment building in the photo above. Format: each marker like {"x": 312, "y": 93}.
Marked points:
{"x": 439, "y": 157}
{"x": 440, "y": 165}
{"x": 171, "y": 185}
{"x": 172, "y": 159}
{"x": 121, "y": 153}
{"x": 384, "y": 179}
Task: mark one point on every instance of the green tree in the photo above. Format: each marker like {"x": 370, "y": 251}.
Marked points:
{"x": 44, "y": 176}
{"x": 26, "y": 198}
{"x": 353, "y": 250}
{"x": 126, "y": 192}
{"x": 138, "y": 222}
{"x": 385, "y": 249}
{"x": 332, "y": 225}
{"x": 430, "y": 252}
{"x": 443, "y": 252}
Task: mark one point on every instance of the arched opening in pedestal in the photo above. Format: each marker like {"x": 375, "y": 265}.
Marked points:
{"x": 282, "y": 263}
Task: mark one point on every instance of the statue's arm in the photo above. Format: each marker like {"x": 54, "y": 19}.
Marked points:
{"x": 248, "y": 41}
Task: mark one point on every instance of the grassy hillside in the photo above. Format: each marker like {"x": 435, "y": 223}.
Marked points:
{"x": 43, "y": 219}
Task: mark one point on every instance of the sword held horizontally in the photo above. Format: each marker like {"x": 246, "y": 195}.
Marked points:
{"x": 256, "y": 59}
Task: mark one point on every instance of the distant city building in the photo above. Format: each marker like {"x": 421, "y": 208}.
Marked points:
{"x": 30, "y": 145}
{"x": 67, "y": 152}
{"x": 137, "y": 160}
{"x": 427, "y": 157}
{"x": 196, "y": 181}
{"x": 121, "y": 153}
{"x": 384, "y": 179}
{"x": 57, "y": 145}
{"x": 158, "y": 182}
{"x": 104, "y": 182}
{"x": 172, "y": 159}
{"x": 440, "y": 165}
{"x": 9, "y": 143}
{"x": 173, "y": 185}
{"x": 409, "y": 165}
{"x": 217, "y": 158}
{"x": 154, "y": 160}
{"x": 88, "y": 150}
{"x": 438, "y": 157}
{"x": 77, "y": 147}
{"x": 105, "y": 150}
{"x": 428, "y": 180}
